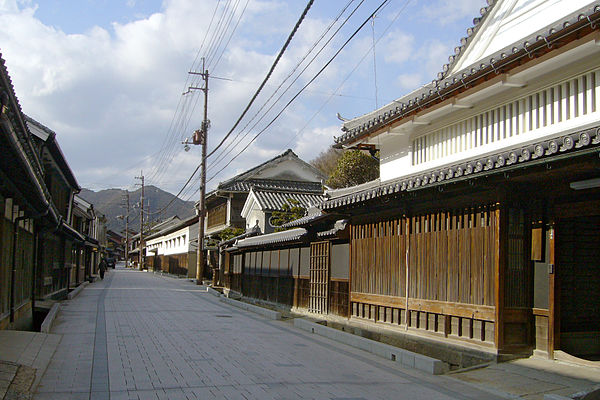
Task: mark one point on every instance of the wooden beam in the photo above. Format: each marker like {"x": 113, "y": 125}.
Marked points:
{"x": 484, "y": 313}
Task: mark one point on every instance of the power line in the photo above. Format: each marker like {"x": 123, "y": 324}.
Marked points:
{"x": 283, "y": 49}
{"x": 231, "y": 35}
{"x": 211, "y": 57}
{"x": 232, "y": 144}
{"x": 393, "y": 20}
{"x": 383, "y": 3}
{"x": 167, "y": 151}
{"x": 281, "y": 52}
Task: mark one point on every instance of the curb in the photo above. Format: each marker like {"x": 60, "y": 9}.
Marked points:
{"x": 213, "y": 292}
{"x": 49, "y": 320}
{"x": 75, "y": 292}
{"x": 270, "y": 314}
{"x": 406, "y": 358}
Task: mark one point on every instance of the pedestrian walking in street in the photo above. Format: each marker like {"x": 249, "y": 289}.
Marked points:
{"x": 102, "y": 267}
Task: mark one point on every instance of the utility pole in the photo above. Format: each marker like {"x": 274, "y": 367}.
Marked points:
{"x": 126, "y": 198}
{"x": 201, "y": 137}
{"x": 141, "y": 266}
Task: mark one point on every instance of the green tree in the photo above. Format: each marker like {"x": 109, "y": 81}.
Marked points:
{"x": 290, "y": 211}
{"x": 353, "y": 168}
{"x": 229, "y": 233}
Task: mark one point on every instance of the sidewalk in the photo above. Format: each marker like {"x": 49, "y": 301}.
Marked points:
{"x": 24, "y": 357}
{"x": 533, "y": 378}
{"x": 156, "y": 337}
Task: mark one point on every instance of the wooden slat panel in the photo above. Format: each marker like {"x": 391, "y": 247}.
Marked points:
{"x": 485, "y": 313}
{"x": 451, "y": 257}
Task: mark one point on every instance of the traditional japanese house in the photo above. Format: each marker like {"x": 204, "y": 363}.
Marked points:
{"x": 304, "y": 268}
{"x": 60, "y": 246}
{"x": 266, "y": 198}
{"x": 22, "y": 196}
{"x": 173, "y": 248}
{"x": 225, "y": 204}
{"x": 115, "y": 245}
{"x": 134, "y": 251}
{"x": 36, "y": 193}
{"x": 483, "y": 228}
{"x": 85, "y": 222}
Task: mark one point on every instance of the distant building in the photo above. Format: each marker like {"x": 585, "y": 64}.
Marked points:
{"x": 285, "y": 172}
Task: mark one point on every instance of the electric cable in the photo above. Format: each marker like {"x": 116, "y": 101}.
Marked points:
{"x": 383, "y": 3}
{"x": 233, "y": 143}
{"x": 393, "y": 20}
{"x": 283, "y": 49}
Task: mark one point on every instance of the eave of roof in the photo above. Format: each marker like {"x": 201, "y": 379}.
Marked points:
{"x": 447, "y": 86}
{"x": 291, "y": 235}
{"x": 274, "y": 200}
{"x": 517, "y": 157}
{"x": 23, "y": 142}
{"x": 56, "y": 152}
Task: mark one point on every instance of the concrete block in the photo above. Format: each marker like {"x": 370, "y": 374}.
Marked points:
{"x": 213, "y": 292}
{"x": 430, "y": 365}
{"x": 77, "y": 290}
{"x": 49, "y": 320}
{"x": 555, "y": 397}
{"x": 407, "y": 359}
{"x": 402, "y": 356}
{"x": 276, "y": 315}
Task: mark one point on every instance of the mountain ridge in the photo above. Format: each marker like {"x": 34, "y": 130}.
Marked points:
{"x": 112, "y": 203}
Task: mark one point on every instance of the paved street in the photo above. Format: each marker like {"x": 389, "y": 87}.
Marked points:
{"x": 137, "y": 335}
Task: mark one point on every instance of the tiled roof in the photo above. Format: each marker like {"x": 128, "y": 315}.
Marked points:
{"x": 15, "y": 114}
{"x": 247, "y": 184}
{"x": 500, "y": 162}
{"x": 273, "y": 200}
{"x": 160, "y": 227}
{"x": 446, "y": 85}
{"x": 339, "y": 225}
{"x": 237, "y": 183}
{"x": 171, "y": 225}
{"x": 55, "y": 150}
{"x": 272, "y": 238}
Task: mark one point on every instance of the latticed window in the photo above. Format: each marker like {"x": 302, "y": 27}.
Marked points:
{"x": 217, "y": 216}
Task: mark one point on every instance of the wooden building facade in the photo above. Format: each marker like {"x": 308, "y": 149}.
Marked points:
{"x": 305, "y": 270}
{"x": 483, "y": 227}
{"x": 36, "y": 193}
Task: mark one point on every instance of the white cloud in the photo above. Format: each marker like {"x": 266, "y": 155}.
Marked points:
{"x": 111, "y": 93}
{"x": 410, "y": 81}
{"x": 399, "y": 47}
{"x": 448, "y": 11}
{"x": 313, "y": 141}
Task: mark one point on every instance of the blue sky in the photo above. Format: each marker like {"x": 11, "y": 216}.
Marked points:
{"x": 77, "y": 16}
{"x": 108, "y": 76}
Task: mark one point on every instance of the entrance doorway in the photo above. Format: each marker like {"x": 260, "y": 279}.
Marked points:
{"x": 578, "y": 272}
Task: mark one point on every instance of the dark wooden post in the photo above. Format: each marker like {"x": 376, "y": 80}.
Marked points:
{"x": 553, "y": 309}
